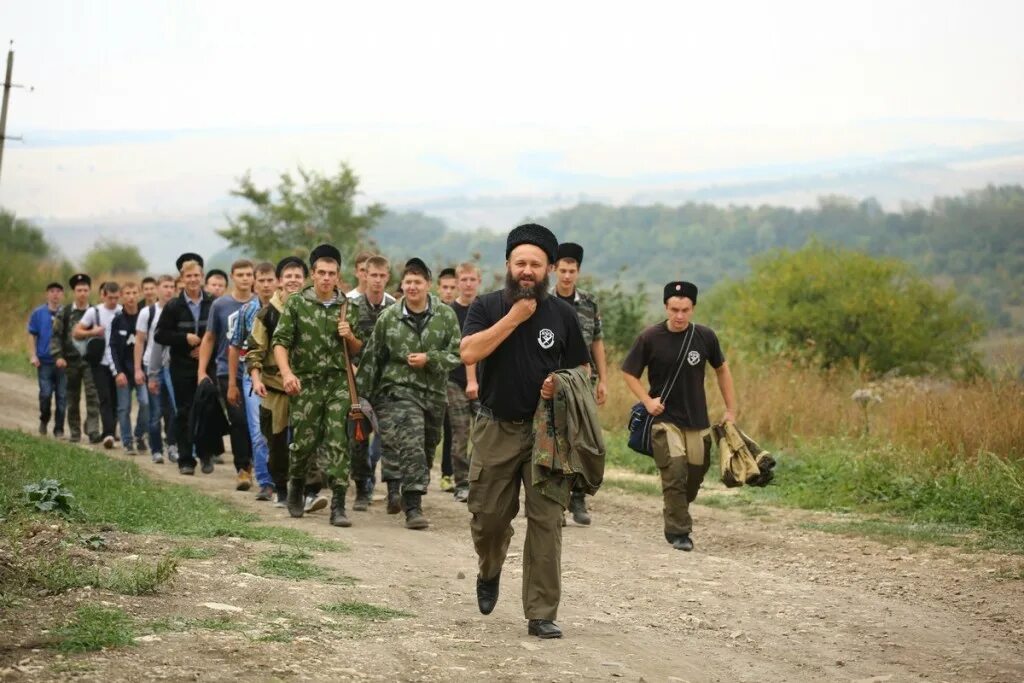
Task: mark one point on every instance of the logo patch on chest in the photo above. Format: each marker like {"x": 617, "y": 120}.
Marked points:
{"x": 693, "y": 357}
{"x": 546, "y": 339}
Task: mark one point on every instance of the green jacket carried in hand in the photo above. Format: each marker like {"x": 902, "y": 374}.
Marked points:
{"x": 384, "y": 371}
{"x": 308, "y": 328}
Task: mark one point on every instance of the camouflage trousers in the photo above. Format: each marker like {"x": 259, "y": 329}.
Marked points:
{"x": 79, "y": 374}
{"x": 319, "y": 435}
{"x": 412, "y": 433}
{"x": 390, "y": 467}
{"x": 460, "y": 417}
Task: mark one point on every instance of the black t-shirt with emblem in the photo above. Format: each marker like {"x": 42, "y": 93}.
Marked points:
{"x": 656, "y": 349}
{"x": 549, "y": 340}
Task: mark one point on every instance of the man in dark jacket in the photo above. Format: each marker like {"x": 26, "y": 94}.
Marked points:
{"x": 122, "y": 357}
{"x": 181, "y": 328}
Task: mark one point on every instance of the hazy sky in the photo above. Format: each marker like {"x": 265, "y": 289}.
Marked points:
{"x": 432, "y": 98}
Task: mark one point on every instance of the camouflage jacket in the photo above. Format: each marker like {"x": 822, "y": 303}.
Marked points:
{"x": 368, "y": 314}
{"x": 308, "y": 328}
{"x": 385, "y": 373}
{"x": 61, "y": 342}
{"x": 258, "y": 355}
{"x": 590, "y": 317}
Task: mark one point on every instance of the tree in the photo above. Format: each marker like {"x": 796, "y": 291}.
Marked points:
{"x": 830, "y": 305}
{"x": 21, "y": 236}
{"x": 110, "y": 257}
{"x": 300, "y": 214}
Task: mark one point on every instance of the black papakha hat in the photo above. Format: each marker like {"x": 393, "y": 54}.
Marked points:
{"x": 416, "y": 265}
{"x": 447, "y": 272}
{"x": 291, "y": 261}
{"x": 680, "y": 288}
{"x": 215, "y": 272}
{"x": 534, "y": 234}
{"x": 79, "y": 278}
{"x": 324, "y": 251}
{"x": 188, "y": 256}
{"x": 570, "y": 250}
{"x": 54, "y": 285}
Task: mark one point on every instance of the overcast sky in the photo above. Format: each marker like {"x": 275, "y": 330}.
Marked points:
{"x": 429, "y": 98}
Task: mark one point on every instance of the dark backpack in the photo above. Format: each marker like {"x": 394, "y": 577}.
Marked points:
{"x": 95, "y": 346}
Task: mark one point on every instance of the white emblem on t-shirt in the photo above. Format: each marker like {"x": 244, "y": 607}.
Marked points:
{"x": 693, "y": 357}
{"x": 546, "y": 338}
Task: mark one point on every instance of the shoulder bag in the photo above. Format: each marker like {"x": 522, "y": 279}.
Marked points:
{"x": 640, "y": 421}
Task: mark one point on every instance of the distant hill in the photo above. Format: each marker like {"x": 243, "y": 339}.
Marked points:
{"x": 974, "y": 242}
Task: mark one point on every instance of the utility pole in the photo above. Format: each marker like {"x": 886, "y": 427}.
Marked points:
{"x": 7, "y": 95}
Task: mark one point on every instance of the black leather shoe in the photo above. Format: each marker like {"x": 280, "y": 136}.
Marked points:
{"x": 394, "y": 496}
{"x": 544, "y": 628}
{"x": 487, "y": 593}
{"x": 207, "y": 465}
{"x": 187, "y": 469}
{"x": 683, "y": 543}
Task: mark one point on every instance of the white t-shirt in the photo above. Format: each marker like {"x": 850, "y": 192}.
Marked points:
{"x": 353, "y": 294}
{"x": 106, "y": 316}
{"x": 143, "y": 325}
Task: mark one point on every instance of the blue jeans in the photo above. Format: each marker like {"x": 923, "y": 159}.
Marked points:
{"x": 374, "y": 459}
{"x": 260, "y": 450}
{"x": 124, "y": 412}
{"x": 161, "y": 406}
{"x": 52, "y": 381}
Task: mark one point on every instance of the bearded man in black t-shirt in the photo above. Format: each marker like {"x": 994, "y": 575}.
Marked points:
{"x": 675, "y": 352}
{"x": 518, "y": 336}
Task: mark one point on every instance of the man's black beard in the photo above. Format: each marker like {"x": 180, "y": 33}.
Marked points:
{"x": 514, "y": 292}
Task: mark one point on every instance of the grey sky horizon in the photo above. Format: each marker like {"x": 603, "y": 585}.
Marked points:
{"x": 156, "y": 107}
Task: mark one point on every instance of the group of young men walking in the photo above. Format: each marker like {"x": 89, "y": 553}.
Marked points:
{"x": 316, "y": 386}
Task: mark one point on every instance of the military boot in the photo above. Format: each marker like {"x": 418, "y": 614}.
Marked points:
{"x": 578, "y": 508}
{"x": 296, "y": 499}
{"x": 338, "y": 517}
{"x": 394, "y": 497}
{"x": 362, "y": 502}
{"x": 414, "y": 518}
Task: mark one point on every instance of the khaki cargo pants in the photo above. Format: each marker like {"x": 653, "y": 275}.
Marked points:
{"x": 500, "y": 466}
{"x": 683, "y": 458}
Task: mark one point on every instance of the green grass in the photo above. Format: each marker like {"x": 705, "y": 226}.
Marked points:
{"x": 93, "y": 628}
{"x": 113, "y": 492}
{"x": 191, "y": 552}
{"x": 938, "y": 498}
{"x": 293, "y": 565}
{"x": 16, "y": 362}
{"x": 364, "y": 611}
{"x": 59, "y": 574}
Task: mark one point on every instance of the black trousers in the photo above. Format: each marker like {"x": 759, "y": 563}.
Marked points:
{"x": 241, "y": 442}
{"x": 106, "y": 391}
{"x": 184, "y": 383}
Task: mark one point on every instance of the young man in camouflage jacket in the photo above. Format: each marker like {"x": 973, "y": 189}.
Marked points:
{"x": 404, "y": 372}
{"x": 374, "y": 274}
{"x": 307, "y": 344}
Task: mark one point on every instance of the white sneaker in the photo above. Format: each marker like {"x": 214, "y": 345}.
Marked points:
{"x": 172, "y": 453}
{"x": 315, "y": 502}
{"x": 158, "y": 458}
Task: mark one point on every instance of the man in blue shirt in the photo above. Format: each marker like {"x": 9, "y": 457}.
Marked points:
{"x": 223, "y": 314}
{"x": 51, "y": 379}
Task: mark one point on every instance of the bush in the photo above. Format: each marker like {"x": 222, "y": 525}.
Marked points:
{"x": 829, "y": 306}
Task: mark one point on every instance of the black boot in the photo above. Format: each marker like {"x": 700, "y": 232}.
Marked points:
{"x": 296, "y": 501}
{"x": 338, "y": 517}
{"x": 362, "y": 502}
{"x": 414, "y": 518}
{"x": 578, "y": 508}
{"x": 394, "y": 496}
{"x": 487, "y": 593}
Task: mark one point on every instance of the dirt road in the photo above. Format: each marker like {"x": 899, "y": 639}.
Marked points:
{"x": 761, "y": 599}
